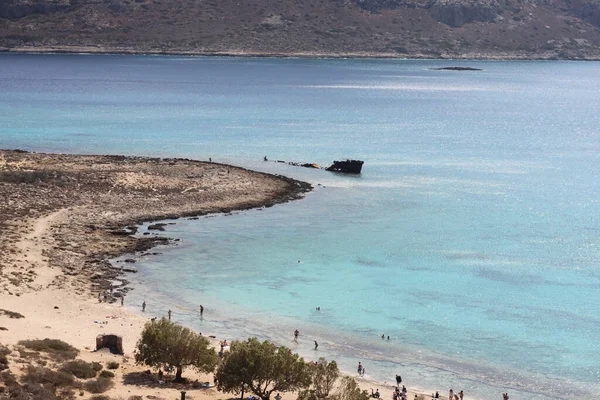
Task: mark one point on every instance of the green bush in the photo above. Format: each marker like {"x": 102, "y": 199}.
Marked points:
{"x": 80, "y": 369}
{"x": 32, "y": 391}
{"x": 66, "y": 394}
{"x": 54, "y": 347}
{"x": 4, "y": 351}
{"x": 46, "y": 377}
{"x": 100, "y": 397}
{"x": 99, "y": 385}
{"x": 106, "y": 374}
{"x": 112, "y": 365}
{"x": 97, "y": 366}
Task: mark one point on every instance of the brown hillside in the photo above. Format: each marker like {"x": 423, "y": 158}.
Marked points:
{"x": 391, "y": 28}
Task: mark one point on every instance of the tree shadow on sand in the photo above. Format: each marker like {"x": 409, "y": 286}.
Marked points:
{"x": 150, "y": 380}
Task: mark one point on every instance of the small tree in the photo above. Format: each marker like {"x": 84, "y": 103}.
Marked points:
{"x": 349, "y": 390}
{"x": 262, "y": 368}
{"x": 167, "y": 344}
{"x": 324, "y": 375}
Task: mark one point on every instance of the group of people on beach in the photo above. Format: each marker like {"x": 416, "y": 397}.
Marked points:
{"x": 223, "y": 344}
{"x": 361, "y": 369}
{"x": 455, "y": 396}
{"x": 399, "y": 394}
{"x": 107, "y": 296}
{"x": 169, "y": 313}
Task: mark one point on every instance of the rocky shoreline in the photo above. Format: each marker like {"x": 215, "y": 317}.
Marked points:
{"x": 475, "y": 56}
{"x": 80, "y": 211}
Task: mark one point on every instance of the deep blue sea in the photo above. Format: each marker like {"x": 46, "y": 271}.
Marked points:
{"x": 472, "y": 237}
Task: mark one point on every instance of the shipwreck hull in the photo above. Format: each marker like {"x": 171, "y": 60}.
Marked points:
{"x": 347, "y": 167}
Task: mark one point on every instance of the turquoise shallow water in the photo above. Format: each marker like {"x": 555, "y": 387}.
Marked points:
{"x": 471, "y": 238}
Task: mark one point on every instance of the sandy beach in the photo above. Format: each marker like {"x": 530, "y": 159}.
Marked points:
{"x": 64, "y": 216}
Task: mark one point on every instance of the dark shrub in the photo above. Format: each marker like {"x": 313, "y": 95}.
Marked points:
{"x": 4, "y": 351}
{"x": 97, "y": 366}
{"x": 99, "y": 385}
{"x": 112, "y": 365}
{"x": 46, "y": 377}
{"x": 11, "y": 314}
{"x": 38, "y": 392}
{"x": 100, "y": 397}
{"x": 106, "y": 374}
{"x": 79, "y": 369}
{"x": 54, "y": 347}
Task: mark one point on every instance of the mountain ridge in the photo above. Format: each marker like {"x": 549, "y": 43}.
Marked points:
{"x": 479, "y": 29}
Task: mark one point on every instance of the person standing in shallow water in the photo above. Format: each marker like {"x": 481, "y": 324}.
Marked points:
{"x": 296, "y": 333}
{"x": 316, "y": 345}
{"x": 144, "y": 306}
{"x": 169, "y": 315}
{"x": 201, "y": 310}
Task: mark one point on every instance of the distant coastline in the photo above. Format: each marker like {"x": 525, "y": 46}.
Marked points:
{"x": 475, "y": 56}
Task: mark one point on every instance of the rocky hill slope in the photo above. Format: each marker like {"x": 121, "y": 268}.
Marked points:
{"x": 565, "y": 29}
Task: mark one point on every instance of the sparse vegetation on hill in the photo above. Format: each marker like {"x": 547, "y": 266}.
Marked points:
{"x": 44, "y": 377}
{"x": 53, "y": 347}
{"x": 398, "y": 28}
{"x": 81, "y": 369}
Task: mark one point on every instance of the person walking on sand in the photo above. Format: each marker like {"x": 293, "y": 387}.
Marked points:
{"x": 201, "y": 310}
{"x": 451, "y": 396}
{"x": 278, "y": 397}
{"x": 169, "y": 315}
{"x": 461, "y": 394}
{"x": 122, "y": 300}
{"x": 398, "y": 380}
{"x": 316, "y": 345}
{"x": 144, "y": 306}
